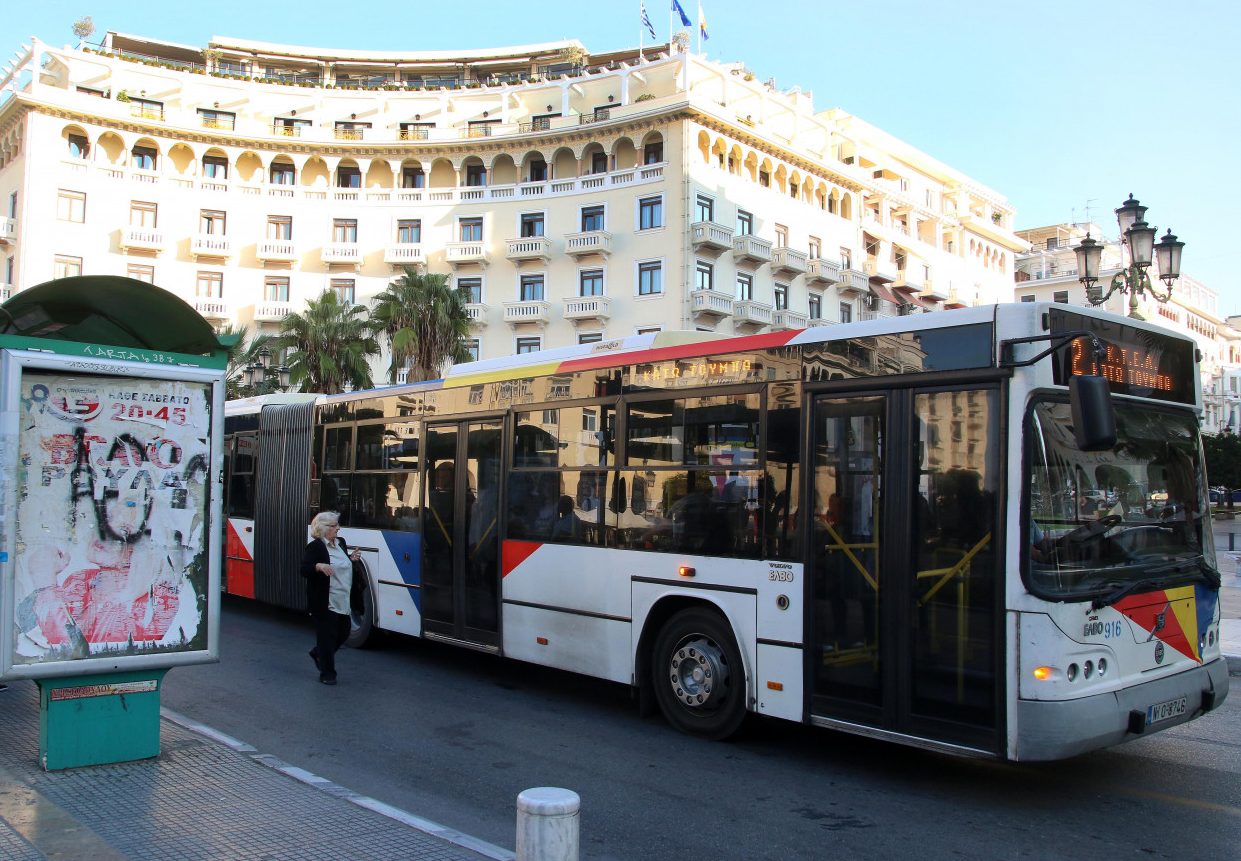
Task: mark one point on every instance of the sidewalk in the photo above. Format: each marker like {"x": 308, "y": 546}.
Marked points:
{"x": 204, "y": 797}
{"x": 1230, "y": 590}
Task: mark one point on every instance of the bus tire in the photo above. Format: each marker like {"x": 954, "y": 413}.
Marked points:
{"x": 698, "y": 676}
{"x": 362, "y": 629}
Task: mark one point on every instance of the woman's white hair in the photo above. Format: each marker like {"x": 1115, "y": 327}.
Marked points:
{"x": 322, "y": 521}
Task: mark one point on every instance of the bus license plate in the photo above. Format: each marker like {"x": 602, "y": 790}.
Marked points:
{"x": 1166, "y": 710}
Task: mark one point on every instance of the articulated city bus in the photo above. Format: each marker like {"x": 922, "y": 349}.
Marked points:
{"x": 982, "y": 531}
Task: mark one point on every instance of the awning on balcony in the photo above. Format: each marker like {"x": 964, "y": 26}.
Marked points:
{"x": 910, "y": 295}
{"x": 885, "y": 293}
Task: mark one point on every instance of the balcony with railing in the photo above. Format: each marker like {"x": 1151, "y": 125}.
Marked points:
{"x": 937, "y": 290}
{"x": 272, "y": 311}
{"x": 822, "y": 271}
{"x": 598, "y": 308}
{"x": 529, "y": 311}
{"x": 477, "y": 312}
{"x": 786, "y": 319}
{"x": 211, "y": 245}
{"x": 8, "y": 229}
{"x": 853, "y": 283}
{"x": 708, "y": 234}
{"x": 747, "y": 312}
{"x": 588, "y": 242}
{"x": 907, "y": 279}
{"x": 711, "y": 304}
{"x": 748, "y": 248}
{"x": 791, "y": 263}
{"x": 466, "y": 252}
{"x": 529, "y": 248}
{"x": 213, "y": 308}
{"x": 349, "y": 253}
{"x": 142, "y": 239}
{"x": 276, "y": 251}
{"x": 405, "y": 254}
{"x": 880, "y": 270}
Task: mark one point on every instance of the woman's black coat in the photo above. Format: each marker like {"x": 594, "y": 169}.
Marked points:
{"x": 317, "y": 585}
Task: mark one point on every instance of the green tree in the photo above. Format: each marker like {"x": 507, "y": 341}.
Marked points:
{"x": 425, "y": 323}
{"x": 1223, "y": 456}
{"x": 84, "y": 28}
{"x": 328, "y": 345}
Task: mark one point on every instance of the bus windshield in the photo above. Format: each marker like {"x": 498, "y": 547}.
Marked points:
{"x": 1104, "y": 524}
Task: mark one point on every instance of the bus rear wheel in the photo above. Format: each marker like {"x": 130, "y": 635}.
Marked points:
{"x": 698, "y": 676}
{"x": 362, "y": 630}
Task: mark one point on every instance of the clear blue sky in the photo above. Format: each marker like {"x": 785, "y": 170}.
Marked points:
{"x": 1057, "y": 105}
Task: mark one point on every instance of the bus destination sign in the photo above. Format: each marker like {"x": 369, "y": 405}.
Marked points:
{"x": 1134, "y": 361}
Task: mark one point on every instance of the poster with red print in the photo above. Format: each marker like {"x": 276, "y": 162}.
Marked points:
{"x": 111, "y": 517}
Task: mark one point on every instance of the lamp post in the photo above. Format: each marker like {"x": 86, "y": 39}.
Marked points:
{"x": 262, "y": 379}
{"x": 1139, "y": 238}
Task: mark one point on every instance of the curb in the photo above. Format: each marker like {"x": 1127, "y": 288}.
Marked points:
{"x": 418, "y": 823}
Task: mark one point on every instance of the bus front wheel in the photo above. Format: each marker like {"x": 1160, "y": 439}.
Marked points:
{"x": 698, "y": 676}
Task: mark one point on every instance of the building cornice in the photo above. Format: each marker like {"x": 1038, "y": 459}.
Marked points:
{"x": 753, "y": 139}
{"x": 344, "y": 149}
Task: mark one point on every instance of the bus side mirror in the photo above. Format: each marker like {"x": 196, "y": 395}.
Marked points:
{"x": 1094, "y": 422}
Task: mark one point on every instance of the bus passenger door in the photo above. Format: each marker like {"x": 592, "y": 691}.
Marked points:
{"x": 906, "y": 585}
{"x": 847, "y": 657}
{"x": 460, "y": 574}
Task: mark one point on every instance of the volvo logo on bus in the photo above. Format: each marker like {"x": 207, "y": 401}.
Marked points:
{"x": 1159, "y": 652}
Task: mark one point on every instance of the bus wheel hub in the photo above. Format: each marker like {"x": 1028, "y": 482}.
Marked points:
{"x": 697, "y": 669}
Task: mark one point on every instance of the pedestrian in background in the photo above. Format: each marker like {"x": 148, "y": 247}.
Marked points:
{"x": 327, "y": 566}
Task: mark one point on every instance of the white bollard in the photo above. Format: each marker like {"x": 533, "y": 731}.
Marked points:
{"x": 548, "y": 824}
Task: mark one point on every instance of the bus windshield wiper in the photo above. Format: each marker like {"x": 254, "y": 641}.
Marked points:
{"x": 1159, "y": 578}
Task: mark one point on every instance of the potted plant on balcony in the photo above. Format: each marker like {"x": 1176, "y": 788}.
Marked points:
{"x": 122, "y": 96}
{"x": 574, "y": 55}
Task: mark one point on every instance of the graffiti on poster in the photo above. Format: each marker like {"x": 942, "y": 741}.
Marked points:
{"x": 112, "y": 517}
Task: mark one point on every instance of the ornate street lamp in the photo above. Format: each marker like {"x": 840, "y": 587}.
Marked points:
{"x": 1139, "y": 238}
{"x": 261, "y": 378}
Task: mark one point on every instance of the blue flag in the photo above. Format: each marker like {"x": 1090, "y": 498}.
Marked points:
{"x": 676, "y": 7}
{"x": 646, "y": 21}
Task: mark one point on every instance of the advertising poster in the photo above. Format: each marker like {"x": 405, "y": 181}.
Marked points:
{"x": 112, "y": 517}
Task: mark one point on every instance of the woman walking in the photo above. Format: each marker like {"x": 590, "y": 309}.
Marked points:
{"x": 327, "y": 566}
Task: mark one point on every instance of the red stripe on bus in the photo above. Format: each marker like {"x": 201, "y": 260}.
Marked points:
{"x": 681, "y": 351}
{"x": 513, "y": 553}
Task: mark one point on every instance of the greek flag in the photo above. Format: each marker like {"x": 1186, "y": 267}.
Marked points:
{"x": 676, "y": 7}
{"x": 646, "y": 20}
{"x": 702, "y": 23}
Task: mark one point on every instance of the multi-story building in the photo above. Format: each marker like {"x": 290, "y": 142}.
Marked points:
{"x": 576, "y": 196}
{"x": 1048, "y": 273}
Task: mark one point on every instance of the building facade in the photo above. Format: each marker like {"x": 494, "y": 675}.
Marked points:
{"x": 578, "y": 197}
{"x": 1048, "y": 273}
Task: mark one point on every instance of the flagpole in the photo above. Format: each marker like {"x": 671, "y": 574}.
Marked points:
{"x": 699, "y": 28}
{"x": 641, "y": 27}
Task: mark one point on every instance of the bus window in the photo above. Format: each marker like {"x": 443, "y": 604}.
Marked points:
{"x": 385, "y": 501}
{"x": 565, "y": 437}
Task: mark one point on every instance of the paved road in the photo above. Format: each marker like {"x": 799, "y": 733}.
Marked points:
{"x": 454, "y": 736}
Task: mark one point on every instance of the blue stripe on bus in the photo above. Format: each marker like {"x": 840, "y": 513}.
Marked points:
{"x": 406, "y": 550}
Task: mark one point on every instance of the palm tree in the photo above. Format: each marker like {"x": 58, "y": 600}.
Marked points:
{"x": 425, "y": 322}
{"x": 329, "y": 344}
